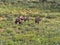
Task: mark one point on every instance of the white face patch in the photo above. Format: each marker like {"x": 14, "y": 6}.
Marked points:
{"x": 21, "y": 16}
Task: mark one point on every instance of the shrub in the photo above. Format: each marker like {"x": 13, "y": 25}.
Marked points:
{"x": 9, "y": 31}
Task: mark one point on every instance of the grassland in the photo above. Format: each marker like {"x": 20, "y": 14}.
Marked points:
{"x": 47, "y": 32}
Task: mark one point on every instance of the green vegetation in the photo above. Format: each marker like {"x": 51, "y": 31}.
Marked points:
{"x": 47, "y": 32}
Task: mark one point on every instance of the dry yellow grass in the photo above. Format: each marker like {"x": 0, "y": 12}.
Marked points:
{"x": 2, "y": 18}
{"x": 1, "y": 30}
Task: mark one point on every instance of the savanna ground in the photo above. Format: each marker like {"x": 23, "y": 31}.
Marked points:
{"x": 47, "y": 32}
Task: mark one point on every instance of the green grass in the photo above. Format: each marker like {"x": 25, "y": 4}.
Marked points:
{"x": 29, "y": 33}
{"x": 47, "y": 32}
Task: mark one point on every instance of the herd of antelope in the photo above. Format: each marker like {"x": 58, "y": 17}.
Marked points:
{"x": 26, "y": 18}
